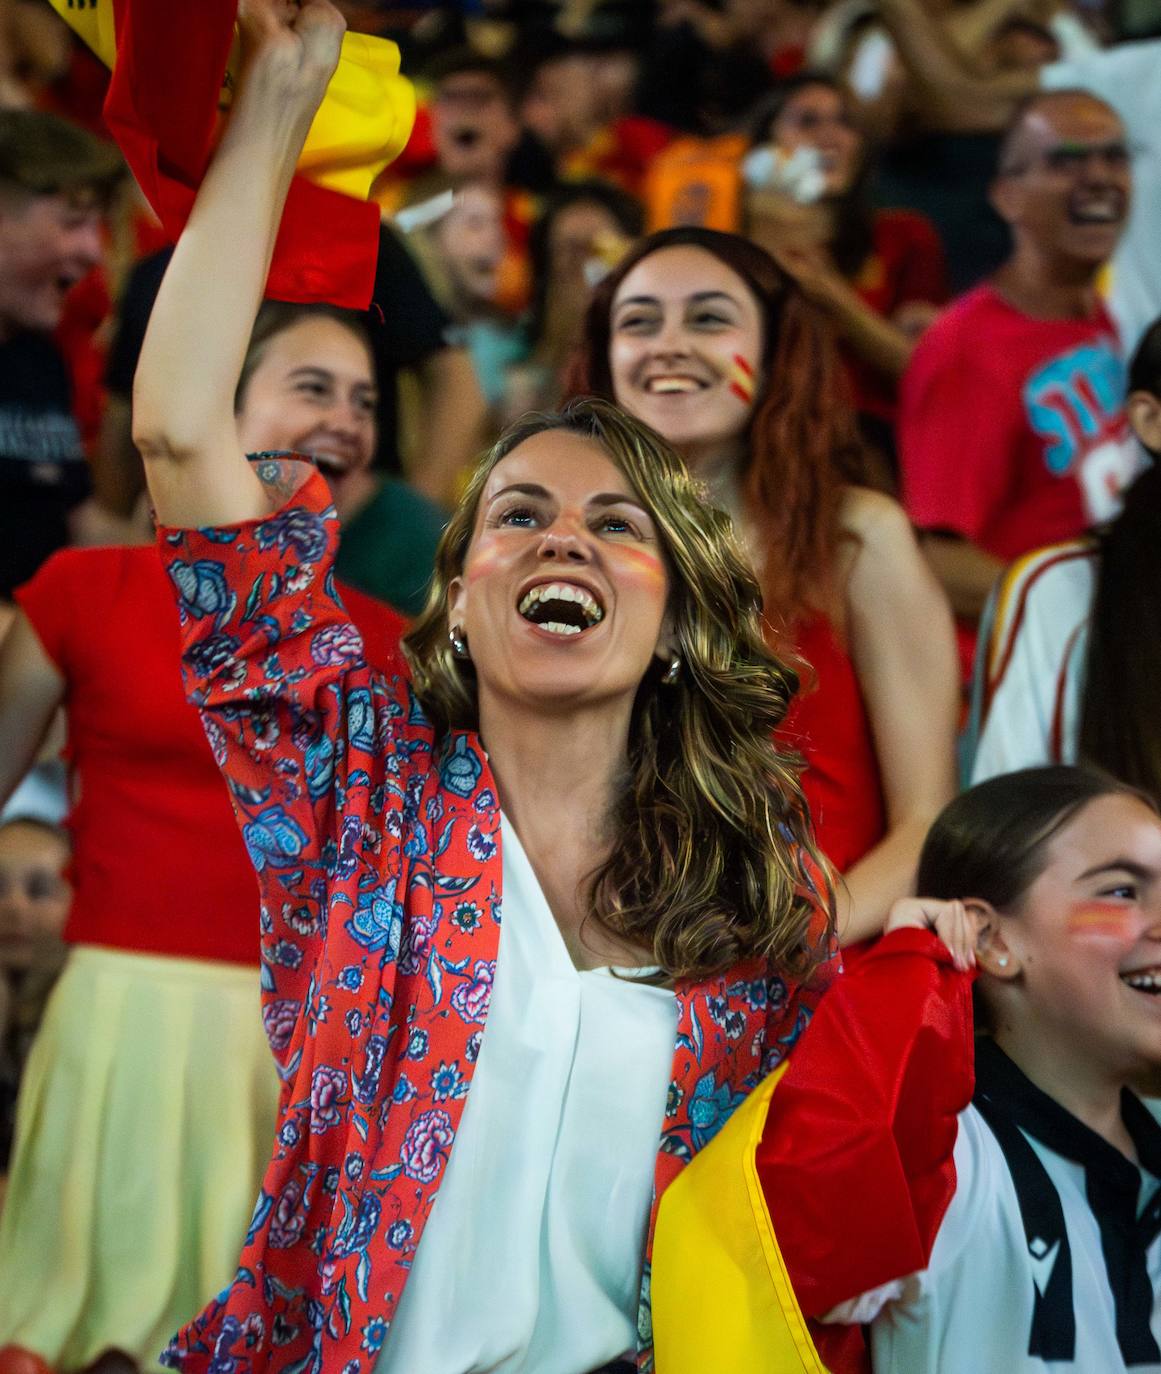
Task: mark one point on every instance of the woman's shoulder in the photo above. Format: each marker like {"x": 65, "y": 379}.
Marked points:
{"x": 876, "y": 520}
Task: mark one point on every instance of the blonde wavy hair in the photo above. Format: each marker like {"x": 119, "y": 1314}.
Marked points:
{"x": 712, "y": 858}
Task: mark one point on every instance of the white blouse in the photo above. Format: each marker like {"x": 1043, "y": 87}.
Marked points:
{"x": 531, "y": 1258}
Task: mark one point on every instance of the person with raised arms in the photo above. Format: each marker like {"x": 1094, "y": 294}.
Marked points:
{"x": 586, "y": 747}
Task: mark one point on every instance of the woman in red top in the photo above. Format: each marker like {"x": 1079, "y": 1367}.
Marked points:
{"x": 700, "y": 335}
{"x": 125, "y": 1205}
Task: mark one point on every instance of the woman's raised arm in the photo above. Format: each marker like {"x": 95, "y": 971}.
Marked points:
{"x": 183, "y": 395}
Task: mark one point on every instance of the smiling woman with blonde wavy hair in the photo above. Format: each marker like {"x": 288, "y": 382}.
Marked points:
{"x": 585, "y": 754}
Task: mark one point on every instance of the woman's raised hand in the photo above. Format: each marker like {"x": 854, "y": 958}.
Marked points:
{"x": 296, "y": 42}
{"x": 958, "y": 924}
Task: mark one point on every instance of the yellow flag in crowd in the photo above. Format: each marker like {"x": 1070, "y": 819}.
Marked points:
{"x": 362, "y": 125}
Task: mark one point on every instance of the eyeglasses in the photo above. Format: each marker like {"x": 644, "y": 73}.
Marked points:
{"x": 1068, "y": 159}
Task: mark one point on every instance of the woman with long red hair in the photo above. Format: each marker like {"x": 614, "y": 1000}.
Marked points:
{"x": 701, "y": 335}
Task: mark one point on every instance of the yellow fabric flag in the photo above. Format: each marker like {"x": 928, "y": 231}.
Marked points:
{"x": 720, "y": 1293}
{"x": 363, "y": 123}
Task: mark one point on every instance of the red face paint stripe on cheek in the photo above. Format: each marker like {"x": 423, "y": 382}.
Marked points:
{"x": 1103, "y": 918}
{"x": 742, "y": 395}
{"x": 741, "y": 362}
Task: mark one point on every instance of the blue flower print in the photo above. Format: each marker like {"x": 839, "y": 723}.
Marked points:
{"x": 404, "y": 1090}
{"x": 486, "y": 801}
{"x": 359, "y": 1226}
{"x": 288, "y": 1134}
{"x": 374, "y": 1334}
{"x": 460, "y": 768}
{"x": 466, "y": 915}
{"x": 273, "y": 837}
{"x": 673, "y": 1099}
{"x": 480, "y": 846}
{"x": 354, "y": 1021}
{"x": 301, "y": 531}
{"x": 378, "y": 920}
{"x": 284, "y": 954}
{"x": 447, "y": 1081}
{"x": 367, "y": 1083}
{"x": 710, "y": 1107}
{"x": 211, "y": 653}
{"x": 353, "y": 1167}
{"x": 361, "y": 719}
{"x": 319, "y": 762}
{"x": 417, "y": 1044}
{"x": 351, "y": 978}
{"x": 472, "y": 1052}
{"x": 202, "y": 589}
{"x": 398, "y": 1234}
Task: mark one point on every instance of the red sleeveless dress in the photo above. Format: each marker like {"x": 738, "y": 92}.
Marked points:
{"x": 828, "y": 725}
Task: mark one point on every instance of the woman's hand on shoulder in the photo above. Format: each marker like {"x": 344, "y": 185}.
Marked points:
{"x": 296, "y": 43}
{"x": 958, "y": 924}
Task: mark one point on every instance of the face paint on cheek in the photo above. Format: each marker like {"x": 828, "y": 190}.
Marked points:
{"x": 643, "y": 566}
{"x": 1103, "y": 921}
{"x": 741, "y": 379}
{"x": 483, "y": 559}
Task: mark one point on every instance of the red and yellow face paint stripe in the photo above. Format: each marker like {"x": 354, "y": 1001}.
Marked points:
{"x": 741, "y": 379}
{"x": 1103, "y": 919}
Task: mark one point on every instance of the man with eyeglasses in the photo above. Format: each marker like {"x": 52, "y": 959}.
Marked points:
{"x": 1012, "y": 432}
{"x": 1125, "y": 75}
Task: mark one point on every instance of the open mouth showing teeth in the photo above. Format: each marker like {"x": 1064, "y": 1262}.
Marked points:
{"x": 1105, "y": 211}
{"x": 672, "y": 386}
{"x": 1144, "y": 980}
{"x": 561, "y": 608}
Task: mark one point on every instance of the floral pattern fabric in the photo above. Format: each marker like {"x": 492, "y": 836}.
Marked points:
{"x": 377, "y": 848}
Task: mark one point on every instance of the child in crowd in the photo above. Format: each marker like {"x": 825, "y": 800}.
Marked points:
{"x": 34, "y": 902}
{"x": 1048, "y": 883}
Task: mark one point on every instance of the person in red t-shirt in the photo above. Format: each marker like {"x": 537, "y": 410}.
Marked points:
{"x": 162, "y": 984}
{"x": 1012, "y": 432}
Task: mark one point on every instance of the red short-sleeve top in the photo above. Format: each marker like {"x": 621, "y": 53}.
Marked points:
{"x": 158, "y": 864}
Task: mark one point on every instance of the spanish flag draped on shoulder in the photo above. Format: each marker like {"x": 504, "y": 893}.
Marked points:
{"x": 173, "y": 69}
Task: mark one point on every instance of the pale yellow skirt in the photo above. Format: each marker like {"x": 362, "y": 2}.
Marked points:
{"x": 145, "y": 1122}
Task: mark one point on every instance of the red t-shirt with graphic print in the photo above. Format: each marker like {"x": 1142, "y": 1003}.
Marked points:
{"x": 1012, "y": 431}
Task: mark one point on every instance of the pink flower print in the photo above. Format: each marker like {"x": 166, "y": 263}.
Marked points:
{"x": 472, "y": 999}
{"x": 425, "y": 1146}
{"x": 279, "y": 1019}
{"x": 326, "y": 1090}
{"x": 335, "y": 645}
{"x": 417, "y": 935}
{"x": 289, "y": 1216}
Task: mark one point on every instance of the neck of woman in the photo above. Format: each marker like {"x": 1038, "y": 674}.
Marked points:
{"x": 1086, "y": 1089}
{"x": 558, "y": 776}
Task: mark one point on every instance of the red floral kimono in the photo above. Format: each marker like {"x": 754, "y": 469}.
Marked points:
{"x": 377, "y": 851}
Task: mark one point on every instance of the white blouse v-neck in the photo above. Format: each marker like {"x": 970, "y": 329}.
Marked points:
{"x": 531, "y": 1258}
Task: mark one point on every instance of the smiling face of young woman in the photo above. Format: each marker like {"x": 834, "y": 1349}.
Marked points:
{"x": 685, "y": 351}
{"x": 1085, "y": 943}
{"x": 314, "y": 392}
{"x": 564, "y": 590}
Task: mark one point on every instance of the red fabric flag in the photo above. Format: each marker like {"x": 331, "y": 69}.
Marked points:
{"x": 162, "y": 108}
